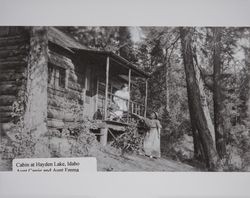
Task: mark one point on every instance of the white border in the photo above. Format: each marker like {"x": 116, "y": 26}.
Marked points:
{"x": 125, "y": 12}
{"x": 138, "y": 13}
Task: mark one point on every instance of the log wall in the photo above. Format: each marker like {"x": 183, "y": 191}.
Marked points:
{"x": 14, "y": 43}
{"x": 60, "y": 99}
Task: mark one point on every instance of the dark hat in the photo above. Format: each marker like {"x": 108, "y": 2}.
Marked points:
{"x": 156, "y": 114}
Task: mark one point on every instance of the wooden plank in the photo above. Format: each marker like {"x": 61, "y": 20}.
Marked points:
{"x": 96, "y": 96}
{"x": 103, "y": 136}
{"x": 129, "y": 88}
{"x": 106, "y": 89}
{"x": 116, "y": 127}
{"x": 146, "y": 99}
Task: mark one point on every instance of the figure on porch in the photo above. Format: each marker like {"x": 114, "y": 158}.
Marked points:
{"x": 121, "y": 98}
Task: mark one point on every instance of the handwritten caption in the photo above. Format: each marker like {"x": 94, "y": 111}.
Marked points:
{"x": 54, "y": 165}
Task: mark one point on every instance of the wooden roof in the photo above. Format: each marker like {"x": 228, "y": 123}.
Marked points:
{"x": 62, "y": 39}
{"x": 122, "y": 61}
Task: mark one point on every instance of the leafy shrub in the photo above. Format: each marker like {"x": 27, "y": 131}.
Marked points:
{"x": 76, "y": 140}
{"x": 22, "y": 142}
{"x": 238, "y": 145}
{"x": 130, "y": 141}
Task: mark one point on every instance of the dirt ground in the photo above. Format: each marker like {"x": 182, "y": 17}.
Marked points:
{"x": 109, "y": 160}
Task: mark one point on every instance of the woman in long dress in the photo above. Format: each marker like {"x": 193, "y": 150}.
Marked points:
{"x": 121, "y": 98}
{"x": 151, "y": 143}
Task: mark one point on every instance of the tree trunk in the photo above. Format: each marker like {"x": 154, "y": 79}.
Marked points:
{"x": 245, "y": 92}
{"x": 124, "y": 38}
{"x": 217, "y": 93}
{"x": 198, "y": 108}
{"x": 167, "y": 68}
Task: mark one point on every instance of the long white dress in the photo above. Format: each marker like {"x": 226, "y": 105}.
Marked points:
{"x": 121, "y": 101}
{"x": 151, "y": 144}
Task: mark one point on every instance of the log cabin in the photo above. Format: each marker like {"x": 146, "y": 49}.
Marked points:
{"x": 40, "y": 67}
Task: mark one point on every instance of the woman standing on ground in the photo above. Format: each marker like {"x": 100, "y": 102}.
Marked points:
{"x": 151, "y": 143}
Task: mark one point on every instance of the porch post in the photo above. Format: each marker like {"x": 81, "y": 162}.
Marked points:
{"x": 129, "y": 89}
{"x": 146, "y": 99}
{"x": 106, "y": 89}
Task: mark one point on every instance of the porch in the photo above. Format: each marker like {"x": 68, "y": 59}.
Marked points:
{"x": 110, "y": 72}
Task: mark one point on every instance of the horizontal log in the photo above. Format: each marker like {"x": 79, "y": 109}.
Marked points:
{"x": 54, "y": 123}
{"x": 12, "y": 53}
{"x": 17, "y": 58}
{"x": 54, "y": 103}
{"x": 6, "y": 100}
{"x": 6, "y": 126}
{"x": 6, "y": 108}
{"x": 9, "y": 89}
{"x": 5, "y": 117}
{"x": 69, "y": 93}
{"x": 5, "y": 120}
{"x": 13, "y": 40}
{"x": 56, "y": 92}
{"x": 11, "y": 76}
{"x": 13, "y": 47}
{"x": 17, "y": 83}
{"x": 60, "y": 115}
{"x": 19, "y": 70}
{"x": 74, "y": 86}
{"x": 73, "y": 77}
{"x": 54, "y": 113}
{"x": 12, "y": 64}
{"x": 60, "y": 60}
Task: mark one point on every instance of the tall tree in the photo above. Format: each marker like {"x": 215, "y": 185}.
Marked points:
{"x": 217, "y": 92}
{"x": 198, "y": 108}
{"x": 125, "y": 44}
{"x": 246, "y": 93}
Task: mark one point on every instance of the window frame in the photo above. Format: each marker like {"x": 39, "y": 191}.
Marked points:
{"x": 57, "y": 77}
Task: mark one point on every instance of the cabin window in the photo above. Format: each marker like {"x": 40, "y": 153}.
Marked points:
{"x": 62, "y": 77}
{"x": 56, "y": 76}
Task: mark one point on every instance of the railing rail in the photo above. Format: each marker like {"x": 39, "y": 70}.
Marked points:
{"x": 134, "y": 106}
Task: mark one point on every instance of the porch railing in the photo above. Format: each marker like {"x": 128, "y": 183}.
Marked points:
{"x": 133, "y": 106}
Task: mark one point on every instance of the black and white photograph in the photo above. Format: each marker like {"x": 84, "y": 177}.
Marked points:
{"x": 137, "y": 98}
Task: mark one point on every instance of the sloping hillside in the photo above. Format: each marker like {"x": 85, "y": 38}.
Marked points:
{"x": 111, "y": 161}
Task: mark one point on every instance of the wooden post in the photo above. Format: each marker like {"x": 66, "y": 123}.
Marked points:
{"x": 97, "y": 94}
{"x": 129, "y": 89}
{"x": 146, "y": 99}
{"x": 103, "y": 136}
{"x": 106, "y": 89}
